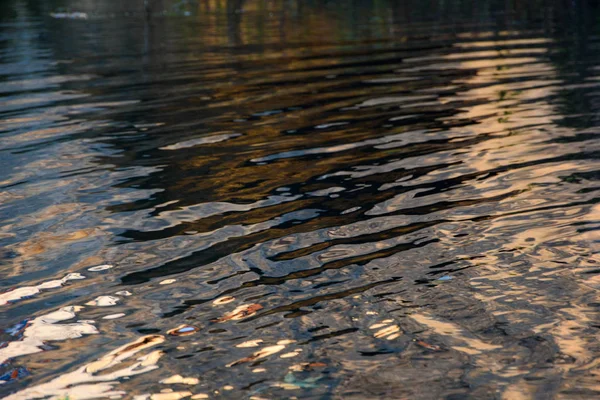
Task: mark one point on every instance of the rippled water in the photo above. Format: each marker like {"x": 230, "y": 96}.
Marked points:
{"x": 281, "y": 199}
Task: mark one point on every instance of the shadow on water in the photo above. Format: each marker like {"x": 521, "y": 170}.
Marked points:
{"x": 269, "y": 199}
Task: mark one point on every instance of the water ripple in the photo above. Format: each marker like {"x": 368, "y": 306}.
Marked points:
{"x": 272, "y": 199}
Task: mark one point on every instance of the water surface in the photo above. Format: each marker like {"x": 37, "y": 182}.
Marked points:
{"x": 299, "y": 199}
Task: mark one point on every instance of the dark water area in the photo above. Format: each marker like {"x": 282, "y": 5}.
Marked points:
{"x": 299, "y": 199}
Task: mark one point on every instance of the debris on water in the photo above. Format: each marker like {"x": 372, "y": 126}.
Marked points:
{"x": 183, "y": 330}
{"x": 100, "y": 268}
{"x": 69, "y": 15}
{"x": 180, "y": 379}
{"x": 240, "y": 312}
{"x": 227, "y": 387}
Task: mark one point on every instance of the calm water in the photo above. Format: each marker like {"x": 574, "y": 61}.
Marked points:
{"x": 299, "y": 199}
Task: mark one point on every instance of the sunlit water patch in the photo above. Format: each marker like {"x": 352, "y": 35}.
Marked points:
{"x": 283, "y": 199}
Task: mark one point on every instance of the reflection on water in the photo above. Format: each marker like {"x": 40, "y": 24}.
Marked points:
{"x": 277, "y": 199}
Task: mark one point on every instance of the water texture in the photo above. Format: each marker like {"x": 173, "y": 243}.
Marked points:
{"x": 299, "y": 199}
